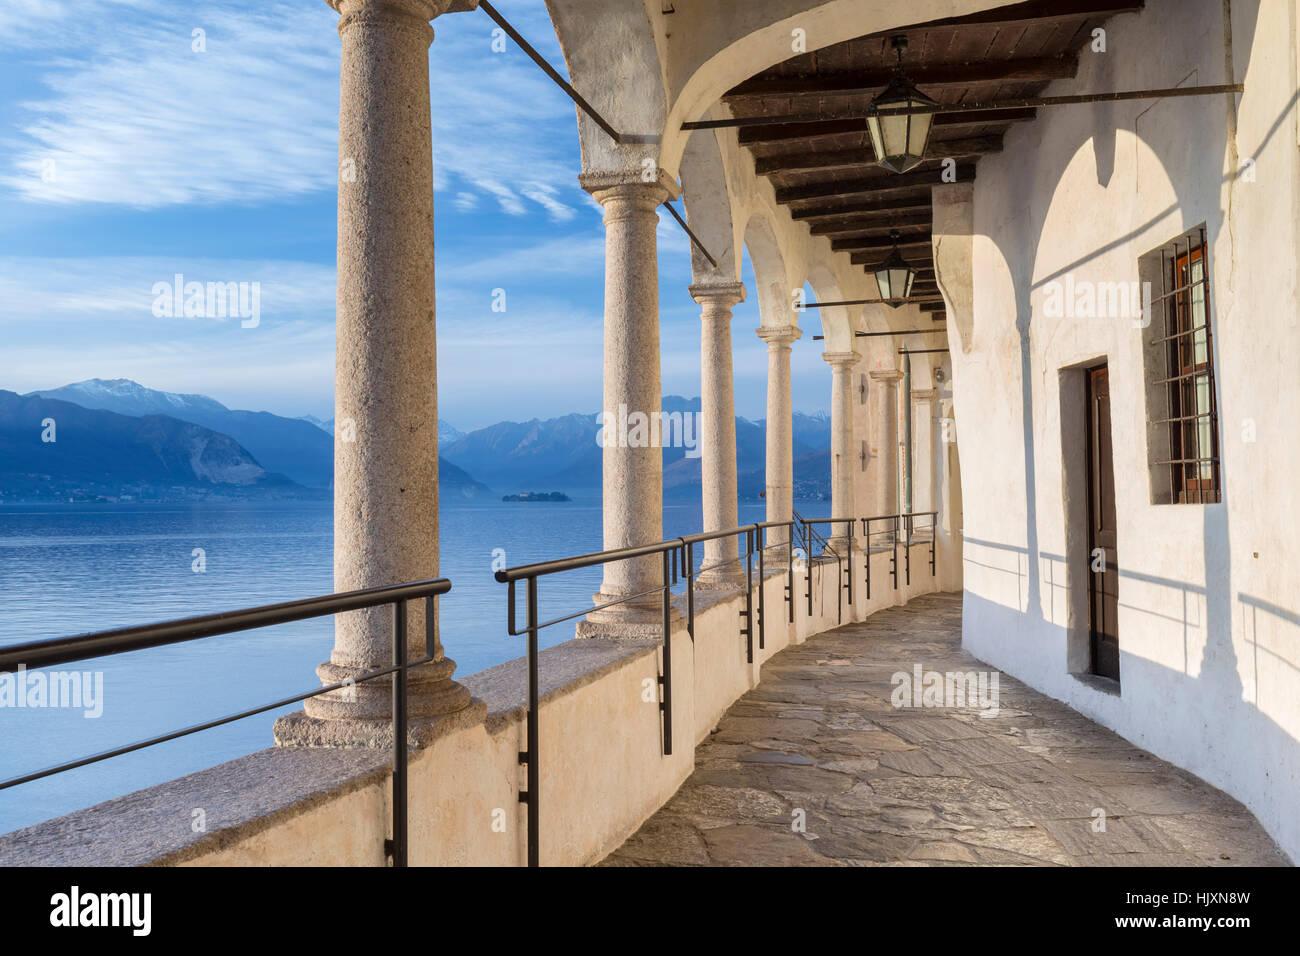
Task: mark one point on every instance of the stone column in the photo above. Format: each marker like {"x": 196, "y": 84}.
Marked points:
{"x": 718, "y": 430}
{"x": 386, "y": 390}
{"x": 884, "y": 461}
{"x": 843, "y": 453}
{"x": 632, "y": 452}
{"x": 780, "y": 429}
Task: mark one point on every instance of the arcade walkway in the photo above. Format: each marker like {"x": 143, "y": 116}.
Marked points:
{"x": 917, "y": 786}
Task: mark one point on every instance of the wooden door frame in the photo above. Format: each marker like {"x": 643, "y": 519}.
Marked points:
{"x": 1090, "y": 452}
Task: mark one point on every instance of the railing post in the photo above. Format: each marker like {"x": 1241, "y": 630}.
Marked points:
{"x": 532, "y": 796}
{"x": 758, "y": 538}
{"x": 893, "y": 564}
{"x": 866, "y": 533}
{"x": 907, "y": 553}
{"x": 399, "y": 842}
{"x": 688, "y": 558}
{"x": 789, "y": 560}
{"x": 666, "y": 705}
{"x": 749, "y": 595}
{"x": 934, "y": 537}
{"x": 848, "y": 543}
{"x": 808, "y": 565}
{"x": 839, "y": 590}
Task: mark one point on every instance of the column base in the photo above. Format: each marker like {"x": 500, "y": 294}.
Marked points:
{"x": 635, "y": 620}
{"x": 299, "y": 729}
{"x": 728, "y": 577}
{"x": 430, "y": 693}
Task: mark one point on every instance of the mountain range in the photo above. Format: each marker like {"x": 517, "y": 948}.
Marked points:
{"x": 563, "y": 454}
{"x": 55, "y": 448}
{"x": 119, "y": 437}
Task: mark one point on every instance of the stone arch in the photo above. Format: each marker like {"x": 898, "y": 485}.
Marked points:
{"x": 706, "y": 195}
{"x": 839, "y": 321}
{"x": 613, "y": 59}
{"x": 709, "y": 50}
{"x": 771, "y": 276}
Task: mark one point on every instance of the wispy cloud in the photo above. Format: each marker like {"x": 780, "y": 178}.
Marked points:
{"x": 143, "y": 111}
{"x": 109, "y": 287}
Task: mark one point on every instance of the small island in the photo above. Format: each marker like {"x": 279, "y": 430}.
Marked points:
{"x": 537, "y": 496}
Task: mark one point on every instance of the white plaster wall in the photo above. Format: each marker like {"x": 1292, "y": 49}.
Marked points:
{"x": 1209, "y": 617}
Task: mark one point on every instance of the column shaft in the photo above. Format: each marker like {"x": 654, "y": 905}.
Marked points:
{"x": 884, "y": 401}
{"x": 632, "y": 453}
{"x": 718, "y": 430}
{"x": 780, "y": 427}
{"x": 843, "y": 453}
{"x": 386, "y": 394}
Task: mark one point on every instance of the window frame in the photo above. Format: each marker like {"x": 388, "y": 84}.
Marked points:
{"x": 1187, "y": 391}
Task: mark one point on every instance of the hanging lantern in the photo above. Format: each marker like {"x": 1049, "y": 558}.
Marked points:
{"x": 895, "y": 276}
{"x": 900, "y": 139}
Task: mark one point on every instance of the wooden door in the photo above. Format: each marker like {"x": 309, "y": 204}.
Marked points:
{"x": 1103, "y": 559}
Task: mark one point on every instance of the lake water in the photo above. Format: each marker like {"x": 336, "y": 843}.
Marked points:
{"x": 70, "y": 569}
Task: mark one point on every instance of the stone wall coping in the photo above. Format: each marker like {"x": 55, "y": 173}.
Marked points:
{"x": 239, "y": 798}
{"x": 250, "y": 794}
{"x": 247, "y": 795}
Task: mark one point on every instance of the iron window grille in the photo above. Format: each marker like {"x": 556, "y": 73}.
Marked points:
{"x": 1186, "y": 343}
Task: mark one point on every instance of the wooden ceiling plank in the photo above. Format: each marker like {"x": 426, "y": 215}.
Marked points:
{"x": 886, "y": 183}
{"x": 806, "y": 160}
{"x": 936, "y": 75}
{"x": 1033, "y": 11}
{"x": 858, "y": 224}
{"x": 902, "y": 205}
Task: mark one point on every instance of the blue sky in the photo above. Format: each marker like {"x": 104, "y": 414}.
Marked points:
{"x": 130, "y": 158}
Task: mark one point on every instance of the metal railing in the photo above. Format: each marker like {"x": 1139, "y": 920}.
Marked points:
{"x": 677, "y": 564}
{"x": 677, "y": 558}
{"x": 66, "y": 650}
{"x": 843, "y": 563}
{"x": 906, "y": 525}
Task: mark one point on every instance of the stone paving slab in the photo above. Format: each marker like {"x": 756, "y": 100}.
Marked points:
{"x": 816, "y": 767}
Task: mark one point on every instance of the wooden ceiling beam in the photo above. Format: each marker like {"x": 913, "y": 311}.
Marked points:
{"x": 879, "y": 185}
{"x": 902, "y": 205}
{"x": 864, "y": 226}
{"x": 810, "y": 160}
{"x": 927, "y": 77}
{"x": 1033, "y": 13}
{"x": 875, "y": 250}
{"x": 813, "y": 128}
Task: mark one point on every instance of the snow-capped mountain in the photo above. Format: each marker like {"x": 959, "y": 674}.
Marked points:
{"x": 299, "y": 448}
{"x": 126, "y": 397}
{"x": 289, "y": 446}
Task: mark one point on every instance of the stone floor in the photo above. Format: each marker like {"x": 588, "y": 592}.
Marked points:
{"x": 819, "y": 743}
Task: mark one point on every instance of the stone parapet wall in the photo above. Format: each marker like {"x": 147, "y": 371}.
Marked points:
{"x": 603, "y": 772}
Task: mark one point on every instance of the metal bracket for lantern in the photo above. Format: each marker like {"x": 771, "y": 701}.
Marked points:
{"x": 900, "y": 138}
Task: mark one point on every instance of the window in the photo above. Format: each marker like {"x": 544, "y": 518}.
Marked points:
{"x": 1184, "y": 437}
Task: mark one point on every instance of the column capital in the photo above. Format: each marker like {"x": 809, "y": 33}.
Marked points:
{"x": 924, "y": 394}
{"x": 398, "y": 10}
{"x": 779, "y": 336}
{"x": 888, "y": 377}
{"x": 633, "y": 184}
{"x": 841, "y": 359}
{"x": 719, "y": 295}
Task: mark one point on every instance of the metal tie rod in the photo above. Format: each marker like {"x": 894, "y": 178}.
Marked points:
{"x": 1019, "y": 103}
{"x": 872, "y": 335}
{"x": 580, "y": 100}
